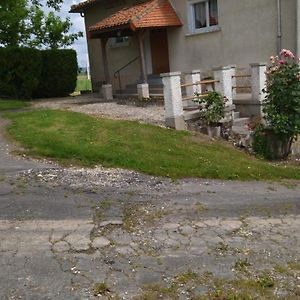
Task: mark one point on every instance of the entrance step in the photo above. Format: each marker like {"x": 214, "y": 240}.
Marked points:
{"x": 236, "y": 115}
{"x": 135, "y": 95}
{"x": 241, "y": 131}
{"x": 241, "y": 122}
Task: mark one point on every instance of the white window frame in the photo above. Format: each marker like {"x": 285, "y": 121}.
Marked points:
{"x": 192, "y": 21}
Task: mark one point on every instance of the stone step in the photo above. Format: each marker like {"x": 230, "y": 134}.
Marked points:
{"x": 241, "y": 122}
{"x": 236, "y": 115}
{"x": 240, "y": 130}
{"x": 135, "y": 95}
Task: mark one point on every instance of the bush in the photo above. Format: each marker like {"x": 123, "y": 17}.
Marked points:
{"x": 59, "y": 73}
{"x": 27, "y": 73}
{"x": 282, "y": 103}
{"x": 269, "y": 144}
{"x": 212, "y": 108}
{"x": 20, "y": 70}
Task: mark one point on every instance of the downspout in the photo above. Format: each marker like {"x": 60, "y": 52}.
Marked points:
{"x": 298, "y": 28}
{"x": 279, "y": 27}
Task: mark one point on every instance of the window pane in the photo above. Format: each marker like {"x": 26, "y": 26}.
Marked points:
{"x": 213, "y": 12}
{"x": 200, "y": 14}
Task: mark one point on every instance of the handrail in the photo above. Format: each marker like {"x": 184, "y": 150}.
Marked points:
{"x": 117, "y": 73}
{"x": 202, "y": 82}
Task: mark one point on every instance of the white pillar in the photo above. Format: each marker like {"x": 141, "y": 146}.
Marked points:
{"x": 258, "y": 81}
{"x": 173, "y": 100}
{"x": 143, "y": 90}
{"x": 224, "y": 85}
{"x": 193, "y": 77}
{"x": 107, "y": 92}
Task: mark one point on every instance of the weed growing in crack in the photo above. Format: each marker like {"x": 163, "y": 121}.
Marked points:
{"x": 101, "y": 289}
{"x": 242, "y": 265}
{"x": 265, "y": 280}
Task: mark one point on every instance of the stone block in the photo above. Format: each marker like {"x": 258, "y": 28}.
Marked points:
{"x": 143, "y": 90}
{"x": 107, "y": 92}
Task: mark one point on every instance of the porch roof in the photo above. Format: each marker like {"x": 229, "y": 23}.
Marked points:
{"x": 80, "y": 7}
{"x": 148, "y": 14}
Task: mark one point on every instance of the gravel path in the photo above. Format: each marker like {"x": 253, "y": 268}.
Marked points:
{"x": 84, "y": 104}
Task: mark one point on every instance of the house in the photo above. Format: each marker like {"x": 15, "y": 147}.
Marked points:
{"x": 134, "y": 41}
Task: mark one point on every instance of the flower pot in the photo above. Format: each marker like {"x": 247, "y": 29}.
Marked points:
{"x": 214, "y": 131}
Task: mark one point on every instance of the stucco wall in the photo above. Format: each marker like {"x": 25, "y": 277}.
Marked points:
{"x": 248, "y": 34}
{"x": 117, "y": 56}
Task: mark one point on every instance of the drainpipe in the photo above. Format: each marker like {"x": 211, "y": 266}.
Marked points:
{"x": 298, "y": 28}
{"x": 279, "y": 27}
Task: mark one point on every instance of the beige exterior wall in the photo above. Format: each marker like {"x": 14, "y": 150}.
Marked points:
{"x": 117, "y": 56}
{"x": 248, "y": 33}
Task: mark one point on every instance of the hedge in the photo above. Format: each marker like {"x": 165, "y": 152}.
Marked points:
{"x": 30, "y": 73}
{"x": 20, "y": 71}
{"x": 59, "y": 73}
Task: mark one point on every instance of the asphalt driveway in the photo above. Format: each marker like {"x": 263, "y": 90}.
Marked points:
{"x": 70, "y": 233}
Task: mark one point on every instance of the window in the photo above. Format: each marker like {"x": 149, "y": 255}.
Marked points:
{"x": 119, "y": 41}
{"x": 203, "y": 15}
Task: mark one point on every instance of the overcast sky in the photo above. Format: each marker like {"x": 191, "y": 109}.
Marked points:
{"x": 78, "y": 25}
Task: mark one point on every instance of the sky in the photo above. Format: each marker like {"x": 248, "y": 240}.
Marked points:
{"x": 78, "y": 25}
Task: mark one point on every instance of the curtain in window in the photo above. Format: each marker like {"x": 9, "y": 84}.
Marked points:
{"x": 200, "y": 15}
{"x": 213, "y": 12}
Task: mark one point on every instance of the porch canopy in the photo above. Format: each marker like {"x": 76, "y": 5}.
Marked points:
{"x": 134, "y": 20}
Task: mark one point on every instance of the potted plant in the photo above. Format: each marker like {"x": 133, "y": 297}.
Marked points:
{"x": 212, "y": 110}
{"x": 281, "y": 107}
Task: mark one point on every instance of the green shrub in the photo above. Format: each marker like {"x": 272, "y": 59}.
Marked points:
{"x": 27, "y": 73}
{"x": 282, "y": 103}
{"x": 20, "y": 70}
{"x": 59, "y": 73}
{"x": 212, "y": 108}
{"x": 269, "y": 144}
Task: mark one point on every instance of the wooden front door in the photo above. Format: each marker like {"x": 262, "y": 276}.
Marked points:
{"x": 159, "y": 51}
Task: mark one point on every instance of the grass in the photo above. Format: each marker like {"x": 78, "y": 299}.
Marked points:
{"x": 75, "y": 138}
{"x": 101, "y": 288}
{"x": 83, "y": 83}
{"x": 12, "y": 104}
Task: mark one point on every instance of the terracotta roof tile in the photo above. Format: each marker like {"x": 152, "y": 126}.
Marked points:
{"x": 149, "y": 14}
{"x": 76, "y": 8}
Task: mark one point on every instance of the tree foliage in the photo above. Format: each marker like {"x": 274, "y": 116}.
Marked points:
{"x": 24, "y": 23}
{"x": 13, "y": 27}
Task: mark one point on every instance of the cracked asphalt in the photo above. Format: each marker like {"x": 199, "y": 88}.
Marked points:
{"x": 75, "y": 233}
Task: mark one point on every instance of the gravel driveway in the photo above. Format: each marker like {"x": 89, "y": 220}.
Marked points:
{"x": 86, "y": 104}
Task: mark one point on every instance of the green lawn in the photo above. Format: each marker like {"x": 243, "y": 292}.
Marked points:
{"x": 83, "y": 84}
{"x": 12, "y": 104}
{"x": 77, "y": 138}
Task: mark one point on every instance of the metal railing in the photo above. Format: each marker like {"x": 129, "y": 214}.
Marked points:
{"x": 117, "y": 73}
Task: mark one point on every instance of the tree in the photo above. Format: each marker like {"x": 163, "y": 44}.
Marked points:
{"x": 24, "y": 23}
{"x": 13, "y": 26}
{"x": 50, "y": 31}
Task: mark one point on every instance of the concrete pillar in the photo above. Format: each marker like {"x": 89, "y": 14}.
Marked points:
{"x": 193, "y": 77}
{"x": 143, "y": 90}
{"x": 104, "y": 59}
{"x": 258, "y": 81}
{"x": 173, "y": 101}
{"x": 107, "y": 92}
{"x": 224, "y": 84}
{"x": 140, "y": 36}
